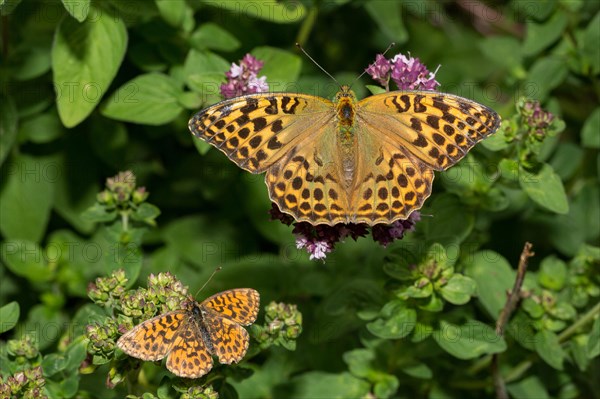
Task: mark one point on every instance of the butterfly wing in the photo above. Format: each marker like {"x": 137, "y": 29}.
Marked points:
{"x": 439, "y": 129}
{"x": 228, "y": 339}
{"x": 240, "y": 305}
{"x": 390, "y": 184}
{"x": 189, "y": 357}
{"x": 408, "y": 134}
{"x": 152, "y": 339}
{"x": 255, "y": 130}
{"x": 308, "y": 182}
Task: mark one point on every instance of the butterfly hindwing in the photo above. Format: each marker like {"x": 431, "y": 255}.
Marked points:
{"x": 308, "y": 182}
{"x": 390, "y": 185}
{"x": 189, "y": 356}
{"x": 229, "y": 340}
{"x": 152, "y": 339}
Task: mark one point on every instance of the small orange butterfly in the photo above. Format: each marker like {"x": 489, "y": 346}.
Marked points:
{"x": 189, "y": 337}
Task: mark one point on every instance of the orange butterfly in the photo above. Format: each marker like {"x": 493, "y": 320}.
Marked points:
{"x": 188, "y": 338}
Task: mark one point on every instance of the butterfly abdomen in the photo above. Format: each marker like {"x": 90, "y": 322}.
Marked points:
{"x": 345, "y": 106}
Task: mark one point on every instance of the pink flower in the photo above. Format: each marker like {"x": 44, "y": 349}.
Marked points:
{"x": 242, "y": 79}
{"x": 380, "y": 70}
{"x": 410, "y": 74}
{"x": 407, "y": 72}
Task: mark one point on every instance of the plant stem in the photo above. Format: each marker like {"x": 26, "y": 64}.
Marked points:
{"x": 583, "y": 320}
{"x": 125, "y": 220}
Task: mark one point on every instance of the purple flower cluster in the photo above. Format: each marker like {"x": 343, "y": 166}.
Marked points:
{"x": 319, "y": 240}
{"x": 536, "y": 118}
{"x": 407, "y": 72}
{"x": 243, "y": 78}
{"x": 385, "y": 234}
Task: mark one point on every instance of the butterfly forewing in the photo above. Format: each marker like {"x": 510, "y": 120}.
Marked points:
{"x": 153, "y": 339}
{"x": 437, "y": 128}
{"x": 240, "y": 305}
{"x": 254, "y": 131}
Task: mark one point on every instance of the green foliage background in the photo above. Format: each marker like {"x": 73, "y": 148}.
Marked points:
{"x": 91, "y": 88}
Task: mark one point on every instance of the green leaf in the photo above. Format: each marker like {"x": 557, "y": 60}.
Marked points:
{"x": 545, "y": 188}
{"x": 459, "y": 289}
{"x": 375, "y": 89}
{"x": 567, "y": 159}
{"x": 126, "y": 256}
{"x": 78, "y": 9}
{"x": 98, "y": 214}
{"x": 419, "y": 370}
{"x": 26, "y": 197}
{"x": 53, "y": 363}
{"x": 578, "y": 348}
{"x": 268, "y": 10}
{"x": 388, "y": 15}
{"x": 468, "y": 341}
{"x": 548, "y": 348}
{"x": 451, "y": 221}
{"x": 386, "y": 386}
{"x": 580, "y": 222}
{"x": 150, "y": 99}
{"x": 553, "y": 273}
{"x": 281, "y": 68}
{"x": 146, "y": 213}
{"x": 546, "y": 74}
{"x": 496, "y": 142}
{"x": 204, "y": 73}
{"x": 591, "y": 38}
{"x": 528, "y": 388}
{"x": 85, "y": 60}
{"x": 42, "y": 128}
{"x": 26, "y": 259}
{"x": 8, "y": 6}
{"x": 9, "y": 314}
{"x": 502, "y": 50}
{"x": 533, "y": 309}
{"x": 212, "y": 36}
{"x": 590, "y": 133}
{"x": 541, "y": 35}
{"x": 76, "y": 353}
{"x": 318, "y": 384}
{"x": 177, "y": 13}
{"x": 45, "y": 324}
{"x": 396, "y": 321}
{"x": 494, "y": 277}
{"x": 593, "y": 345}
{"x": 359, "y": 361}
{"x": 8, "y": 126}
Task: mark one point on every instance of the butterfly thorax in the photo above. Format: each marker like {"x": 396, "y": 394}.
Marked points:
{"x": 345, "y": 105}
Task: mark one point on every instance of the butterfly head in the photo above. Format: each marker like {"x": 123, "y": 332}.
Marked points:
{"x": 345, "y": 93}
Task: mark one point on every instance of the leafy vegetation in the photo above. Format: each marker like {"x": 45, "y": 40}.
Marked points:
{"x": 94, "y": 89}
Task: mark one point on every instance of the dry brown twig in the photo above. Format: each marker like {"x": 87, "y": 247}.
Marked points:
{"x": 509, "y": 307}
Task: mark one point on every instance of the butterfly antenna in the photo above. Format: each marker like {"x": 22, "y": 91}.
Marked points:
{"x": 392, "y": 44}
{"x": 317, "y": 64}
{"x": 208, "y": 281}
